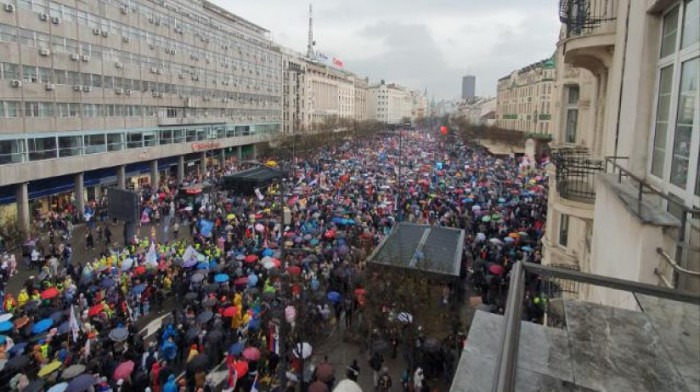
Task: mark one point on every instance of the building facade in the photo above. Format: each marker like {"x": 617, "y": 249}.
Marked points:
{"x": 469, "y": 87}
{"x": 361, "y": 92}
{"x": 479, "y": 111}
{"x": 389, "y": 103}
{"x": 631, "y": 172}
{"x": 524, "y": 98}
{"x": 330, "y": 92}
{"x": 101, "y": 85}
{"x": 294, "y": 92}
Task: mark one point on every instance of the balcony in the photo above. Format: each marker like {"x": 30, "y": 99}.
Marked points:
{"x": 590, "y": 32}
{"x": 575, "y": 174}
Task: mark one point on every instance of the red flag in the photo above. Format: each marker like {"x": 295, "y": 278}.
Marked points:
{"x": 337, "y": 63}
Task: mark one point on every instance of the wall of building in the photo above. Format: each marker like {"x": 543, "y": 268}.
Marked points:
{"x": 524, "y": 98}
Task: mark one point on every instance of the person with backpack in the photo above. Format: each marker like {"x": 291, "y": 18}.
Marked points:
{"x": 376, "y": 364}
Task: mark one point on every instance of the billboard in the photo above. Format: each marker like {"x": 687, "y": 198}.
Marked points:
{"x": 123, "y": 205}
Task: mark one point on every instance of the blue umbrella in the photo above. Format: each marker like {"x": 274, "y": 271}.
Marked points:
{"x": 58, "y": 387}
{"x": 6, "y": 326}
{"x": 236, "y": 348}
{"x": 3, "y": 338}
{"x": 338, "y": 220}
{"x": 253, "y": 324}
{"x": 252, "y": 280}
{"x": 42, "y": 326}
{"x": 63, "y": 328}
{"x": 107, "y": 283}
{"x": 267, "y": 252}
{"x": 501, "y": 200}
{"x": 138, "y": 289}
{"x": 81, "y": 383}
{"x": 334, "y": 296}
{"x": 526, "y": 248}
{"x": 203, "y": 266}
{"x": 18, "y": 348}
{"x": 221, "y": 278}
{"x": 467, "y": 200}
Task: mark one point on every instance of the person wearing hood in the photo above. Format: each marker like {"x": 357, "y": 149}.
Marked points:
{"x": 171, "y": 385}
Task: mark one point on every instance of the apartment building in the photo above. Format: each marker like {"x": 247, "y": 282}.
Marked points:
{"x": 625, "y": 187}
{"x": 524, "y": 98}
{"x": 94, "y": 93}
{"x": 294, "y": 92}
{"x": 331, "y": 94}
{"x": 389, "y": 103}
{"x": 361, "y": 92}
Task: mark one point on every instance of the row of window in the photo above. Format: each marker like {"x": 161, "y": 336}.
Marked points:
{"x": 14, "y": 109}
{"x": 265, "y": 76}
{"x": 59, "y": 146}
{"x": 32, "y": 74}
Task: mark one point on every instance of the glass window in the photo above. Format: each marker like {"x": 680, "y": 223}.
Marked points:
{"x": 107, "y": 82}
{"x": 45, "y": 109}
{"x": 134, "y": 140}
{"x": 202, "y": 134}
{"x": 73, "y": 77}
{"x": 115, "y": 142}
{"x": 41, "y": 148}
{"x": 684, "y": 122}
{"x": 8, "y": 33}
{"x": 166, "y": 136}
{"x": 563, "y": 230}
{"x": 571, "y": 114}
{"x": 9, "y": 71}
{"x": 150, "y": 138}
{"x": 31, "y": 109}
{"x": 94, "y": 144}
{"x": 29, "y": 74}
{"x": 691, "y": 23}
{"x": 74, "y": 109}
{"x": 59, "y": 77}
{"x": 11, "y": 109}
{"x": 44, "y": 75}
{"x": 96, "y": 80}
{"x": 178, "y": 136}
{"x": 662, "y": 116}
{"x": 670, "y": 29}
{"x": 191, "y": 135}
{"x": 69, "y": 146}
{"x": 11, "y": 151}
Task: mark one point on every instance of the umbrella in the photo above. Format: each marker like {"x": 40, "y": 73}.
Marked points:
{"x": 496, "y": 269}
{"x": 18, "y": 348}
{"x": 324, "y": 372}
{"x": 6, "y": 326}
{"x": 118, "y": 334}
{"x": 405, "y": 317}
{"x": 138, "y": 289}
{"x": 34, "y": 386}
{"x": 268, "y": 252}
{"x": 95, "y": 310}
{"x": 49, "y": 293}
{"x": 236, "y": 348}
{"x": 81, "y": 383}
{"x": 107, "y": 283}
{"x": 318, "y": 386}
{"x": 196, "y": 278}
{"x": 347, "y": 385}
{"x": 48, "y": 369}
{"x": 57, "y": 316}
{"x": 189, "y": 263}
{"x": 486, "y": 218}
{"x": 20, "y": 322}
{"x": 303, "y": 350}
{"x": 58, "y": 387}
{"x": 63, "y": 328}
{"x": 191, "y": 296}
{"x": 198, "y": 363}
{"x": 221, "y": 278}
{"x": 252, "y": 280}
{"x": 251, "y": 354}
{"x": 127, "y": 264}
{"x": 294, "y": 270}
{"x": 42, "y": 326}
{"x": 509, "y": 239}
{"x": 251, "y": 259}
{"x": 209, "y": 302}
{"x": 230, "y": 311}
{"x": 496, "y": 241}
{"x": 140, "y": 270}
{"x": 73, "y": 371}
{"x": 240, "y": 257}
{"x": 17, "y": 363}
{"x": 241, "y": 281}
{"x": 124, "y": 370}
{"x": 241, "y": 369}
{"x": 204, "y": 316}
{"x": 334, "y": 296}
{"x": 5, "y": 317}
{"x": 527, "y": 248}
{"x": 432, "y": 344}
{"x": 379, "y": 345}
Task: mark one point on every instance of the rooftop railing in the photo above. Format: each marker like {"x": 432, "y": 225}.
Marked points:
{"x": 588, "y": 17}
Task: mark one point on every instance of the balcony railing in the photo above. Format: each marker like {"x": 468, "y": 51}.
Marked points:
{"x": 588, "y": 17}
{"x": 576, "y": 173}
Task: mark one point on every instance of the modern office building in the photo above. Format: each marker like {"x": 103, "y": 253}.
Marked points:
{"x": 469, "y": 87}
{"x": 524, "y": 98}
{"x": 94, "y": 93}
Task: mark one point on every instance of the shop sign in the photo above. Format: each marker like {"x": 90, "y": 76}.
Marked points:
{"x": 205, "y": 146}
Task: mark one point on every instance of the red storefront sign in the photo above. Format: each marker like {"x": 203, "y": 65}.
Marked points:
{"x": 205, "y": 146}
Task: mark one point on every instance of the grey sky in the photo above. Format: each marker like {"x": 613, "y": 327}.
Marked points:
{"x": 416, "y": 43}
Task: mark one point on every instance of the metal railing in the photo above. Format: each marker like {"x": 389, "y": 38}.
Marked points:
{"x": 588, "y": 17}
{"x": 506, "y": 361}
{"x": 576, "y": 173}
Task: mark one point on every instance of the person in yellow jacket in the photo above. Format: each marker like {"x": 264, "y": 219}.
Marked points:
{"x": 193, "y": 353}
{"x": 9, "y": 304}
{"x": 22, "y": 298}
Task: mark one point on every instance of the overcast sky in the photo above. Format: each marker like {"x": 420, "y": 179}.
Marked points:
{"x": 416, "y": 43}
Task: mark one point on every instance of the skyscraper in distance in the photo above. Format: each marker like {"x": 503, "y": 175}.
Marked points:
{"x": 468, "y": 87}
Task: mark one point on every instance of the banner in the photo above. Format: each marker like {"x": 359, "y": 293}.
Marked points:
{"x": 259, "y": 194}
{"x": 73, "y": 323}
{"x": 337, "y": 63}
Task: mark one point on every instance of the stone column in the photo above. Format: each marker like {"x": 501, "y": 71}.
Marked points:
{"x": 240, "y": 153}
{"x": 23, "y": 213}
{"x": 255, "y": 151}
{"x": 154, "y": 174}
{"x": 180, "y": 169}
{"x": 121, "y": 176}
{"x": 223, "y": 157}
{"x": 79, "y": 193}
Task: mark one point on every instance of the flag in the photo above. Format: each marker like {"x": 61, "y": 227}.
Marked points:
{"x": 73, "y": 323}
{"x": 255, "y": 386}
{"x": 337, "y": 63}
{"x": 273, "y": 340}
{"x": 152, "y": 256}
{"x": 259, "y": 194}
{"x": 312, "y": 183}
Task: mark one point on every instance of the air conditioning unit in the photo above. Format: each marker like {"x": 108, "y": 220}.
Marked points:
{"x": 161, "y": 95}
{"x": 87, "y": 89}
{"x": 44, "y": 52}
{"x": 154, "y": 69}
{"x": 155, "y": 94}
{"x": 127, "y": 92}
{"x": 195, "y": 77}
{"x": 77, "y": 88}
{"x": 151, "y": 20}
{"x": 124, "y": 9}
{"x": 224, "y": 47}
{"x": 96, "y": 31}
{"x": 16, "y": 83}
{"x": 225, "y": 100}
{"x": 119, "y": 65}
{"x": 85, "y": 58}
{"x": 43, "y": 17}
{"x": 119, "y": 91}
{"x": 225, "y": 82}
{"x": 157, "y": 22}
{"x": 74, "y": 56}
{"x": 208, "y": 60}
{"x": 55, "y": 20}
{"x": 105, "y": 33}
{"x": 126, "y": 39}
{"x": 9, "y": 8}
{"x": 49, "y": 86}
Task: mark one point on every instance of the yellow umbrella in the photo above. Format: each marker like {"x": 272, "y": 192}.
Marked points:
{"x": 231, "y": 216}
{"x": 271, "y": 163}
{"x": 50, "y": 368}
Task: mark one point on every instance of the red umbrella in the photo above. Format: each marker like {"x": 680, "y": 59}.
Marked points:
{"x": 251, "y": 258}
{"x": 324, "y": 372}
{"x": 49, "y": 293}
{"x": 230, "y": 311}
{"x": 241, "y": 368}
{"x": 124, "y": 370}
{"x": 95, "y": 310}
{"x": 140, "y": 270}
{"x": 496, "y": 269}
{"x": 329, "y": 234}
{"x": 251, "y": 354}
{"x": 294, "y": 270}
{"x": 360, "y": 292}
{"x": 241, "y": 280}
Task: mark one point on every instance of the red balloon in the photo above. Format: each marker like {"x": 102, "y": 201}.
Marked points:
{"x": 443, "y": 130}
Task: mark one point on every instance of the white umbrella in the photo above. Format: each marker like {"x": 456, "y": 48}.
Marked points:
{"x": 303, "y": 350}
{"x": 476, "y": 207}
{"x": 480, "y": 237}
{"x": 5, "y": 317}
{"x": 405, "y": 317}
{"x": 496, "y": 241}
{"x": 347, "y": 385}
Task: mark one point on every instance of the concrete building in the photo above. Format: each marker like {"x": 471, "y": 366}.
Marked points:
{"x": 479, "y": 111}
{"x": 635, "y": 99}
{"x": 294, "y": 92}
{"x": 330, "y": 92}
{"x": 361, "y": 92}
{"x": 419, "y": 103}
{"x": 469, "y": 87}
{"x": 94, "y": 93}
{"x": 389, "y": 103}
{"x": 524, "y": 98}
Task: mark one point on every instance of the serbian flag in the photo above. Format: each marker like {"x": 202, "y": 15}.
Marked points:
{"x": 337, "y": 63}
{"x": 273, "y": 340}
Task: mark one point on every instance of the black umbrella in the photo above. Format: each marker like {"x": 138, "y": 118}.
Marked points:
{"x": 211, "y": 287}
{"x": 204, "y": 316}
{"x": 192, "y": 333}
{"x": 379, "y": 346}
{"x": 81, "y": 383}
{"x": 198, "y": 363}
{"x": 31, "y": 305}
{"x": 190, "y": 296}
{"x": 34, "y": 386}
{"x": 57, "y": 317}
{"x": 118, "y": 334}
{"x": 209, "y": 301}
{"x": 17, "y": 363}
{"x": 73, "y": 371}
{"x": 214, "y": 336}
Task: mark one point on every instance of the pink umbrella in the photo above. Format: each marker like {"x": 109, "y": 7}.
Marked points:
{"x": 124, "y": 370}
{"x": 251, "y": 354}
{"x": 496, "y": 269}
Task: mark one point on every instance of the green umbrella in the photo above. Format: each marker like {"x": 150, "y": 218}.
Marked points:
{"x": 486, "y": 218}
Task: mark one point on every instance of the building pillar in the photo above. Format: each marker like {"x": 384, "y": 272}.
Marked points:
{"x": 255, "y": 151}
{"x": 203, "y": 163}
{"x": 23, "y": 214}
{"x": 121, "y": 176}
{"x": 180, "y": 169}
{"x": 155, "y": 176}
{"x": 240, "y": 153}
{"x": 79, "y": 193}
{"x": 223, "y": 158}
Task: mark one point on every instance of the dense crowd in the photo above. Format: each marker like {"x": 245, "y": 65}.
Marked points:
{"x": 245, "y": 280}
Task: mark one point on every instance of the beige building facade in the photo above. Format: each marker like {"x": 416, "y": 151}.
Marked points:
{"x": 389, "y": 103}
{"x": 361, "y": 91}
{"x": 624, "y": 192}
{"x": 331, "y": 94}
{"x": 294, "y": 92}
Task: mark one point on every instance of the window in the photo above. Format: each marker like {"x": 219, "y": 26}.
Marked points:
{"x": 691, "y": 23}
{"x": 687, "y": 96}
{"x": 563, "y": 230}
{"x": 44, "y": 75}
{"x": 572, "y": 97}
{"x": 150, "y": 138}
{"x": 31, "y": 109}
{"x": 115, "y": 142}
{"x": 134, "y": 140}
{"x": 69, "y": 146}
{"x": 166, "y": 136}
{"x": 29, "y": 74}
{"x": 9, "y": 71}
{"x": 41, "y": 148}
{"x": 94, "y": 144}
{"x": 11, "y": 151}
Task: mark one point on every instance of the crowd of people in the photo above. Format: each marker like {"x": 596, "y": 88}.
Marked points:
{"x": 249, "y": 280}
